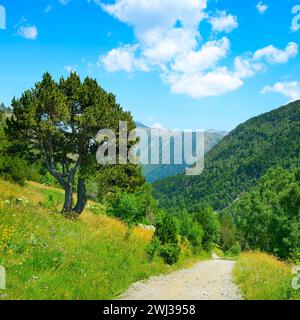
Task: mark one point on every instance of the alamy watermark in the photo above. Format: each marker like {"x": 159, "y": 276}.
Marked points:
{"x": 2, "y": 278}
{"x": 296, "y": 20}
{"x": 296, "y": 279}
{"x": 2, "y": 18}
{"x": 156, "y": 146}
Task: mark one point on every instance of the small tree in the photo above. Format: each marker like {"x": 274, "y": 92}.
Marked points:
{"x": 190, "y": 229}
{"x": 211, "y": 227}
{"x": 165, "y": 239}
{"x": 60, "y": 121}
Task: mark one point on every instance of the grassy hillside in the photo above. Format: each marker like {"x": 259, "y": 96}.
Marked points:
{"x": 49, "y": 257}
{"x": 263, "y": 277}
{"x": 235, "y": 164}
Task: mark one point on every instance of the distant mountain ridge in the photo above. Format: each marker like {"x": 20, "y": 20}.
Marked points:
{"x": 235, "y": 164}
{"x": 156, "y": 172}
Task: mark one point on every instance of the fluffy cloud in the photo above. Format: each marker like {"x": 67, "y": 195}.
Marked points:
{"x": 147, "y": 16}
{"x": 27, "y": 32}
{"x": 201, "y": 85}
{"x": 245, "y": 67}
{"x": 157, "y": 125}
{"x": 154, "y": 24}
{"x": 274, "y": 55}
{"x": 207, "y": 57}
{"x": 70, "y": 69}
{"x": 223, "y": 22}
{"x": 168, "y": 40}
{"x": 123, "y": 59}
{"x": 251, "y": 63}
{"x": 261, "y": 7}
{"x": 290, "y": 90}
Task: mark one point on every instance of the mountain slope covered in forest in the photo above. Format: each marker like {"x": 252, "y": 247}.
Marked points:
{"x": 235, "y": 164}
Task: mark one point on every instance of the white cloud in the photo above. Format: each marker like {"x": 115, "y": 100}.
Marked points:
{"x": 154, "y": 25}
{"x": 70, "y": 69}
{"x": 290, "y": 90}
{"x": 172, "y": 49}
{"x": 27, "y": 32}
{"x": 207, "y": 57}
{"x": 123, "y": 59}
{"x": 261, "y": 7}
{"x": 145, "y": 15}
{"x": 157, "y": 126}
{"x": 168, "y": 40}
{"x": 274, "y": 55}
{"x": 161, "y": 47}
{"x": 223, "y": 22}
{"x": 249, "y": 64}
{"x": 245, "y": 67}
{"x": 201, "y": 85}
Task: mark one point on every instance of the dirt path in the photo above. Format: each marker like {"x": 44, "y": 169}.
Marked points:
{"x": 208, "y": 280}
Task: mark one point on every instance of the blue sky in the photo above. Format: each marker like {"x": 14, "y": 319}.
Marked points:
{"x": 195, "y": 64}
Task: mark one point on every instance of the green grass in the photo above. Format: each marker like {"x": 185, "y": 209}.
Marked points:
{"x": 263, "y": 277}
{"x": 49, "y": 257}
{"x": 219, "y": 252}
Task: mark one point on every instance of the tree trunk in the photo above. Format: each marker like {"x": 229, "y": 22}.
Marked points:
{"x": 81, "y": 197}
{"x": 68, "y": 198}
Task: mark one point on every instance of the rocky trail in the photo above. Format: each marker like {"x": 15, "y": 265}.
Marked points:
{"x": 208, "y": 280}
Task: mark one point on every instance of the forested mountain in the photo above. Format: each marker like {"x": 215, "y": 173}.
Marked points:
{"x": 153, "y": 173}
{"x": 235, "y": 164}
{"x": 268, "y": 216}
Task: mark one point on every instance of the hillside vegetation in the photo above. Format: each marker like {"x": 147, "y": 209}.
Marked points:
{"x": 268, "y": 216}
{"x": 49, "y": 257}
{"x": 235, "y": 164}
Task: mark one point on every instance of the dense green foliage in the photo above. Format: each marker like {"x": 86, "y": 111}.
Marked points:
{"x": 199, "y": 231}
{"x": 166, "y": 241}
{"x": 229, "y": 233}
{"x": 133, "y": 208}
{"x": 12, "y": 167}
{"x": 235, "y": 164}
{"x": 268, "y": 217}
{"x": 57, "y": 122}
{"x": 191, "y": 230}
{"x": 208, "y": 219}
{"x": 111, "y": 179}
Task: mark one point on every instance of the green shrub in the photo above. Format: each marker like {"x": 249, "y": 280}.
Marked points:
{"x": 126, "y": 207}
{"x": 235, "y": 250}
{"x": 228, "y": 230}
{"x": 191, "y": 230}
{"x": 170, "y": 252}
{"x": 132, "y": 207}
{"x": 166, "y": 229}
{"x": 13, "y": 169}
{"x": 165, "y": 239}
{"x": 211, "y": 227}
{"x": 153, "y": 248}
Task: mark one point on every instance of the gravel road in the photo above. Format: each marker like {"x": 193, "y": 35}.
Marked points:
{"x": 208, "y": 280}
